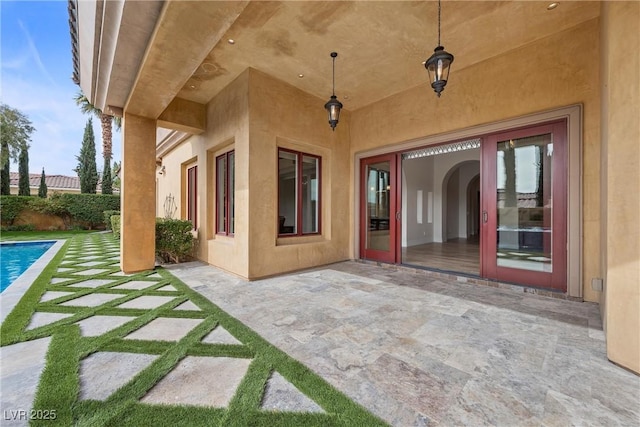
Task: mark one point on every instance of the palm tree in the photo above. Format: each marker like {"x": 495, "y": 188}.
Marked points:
{"x": 106, "y": 122}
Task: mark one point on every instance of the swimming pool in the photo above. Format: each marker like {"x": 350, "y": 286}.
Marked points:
{"x": 16, "y": 258}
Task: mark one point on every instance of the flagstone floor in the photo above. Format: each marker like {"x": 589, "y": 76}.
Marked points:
{"x": 413, "y": 349}
{"x": 419, "y": 350}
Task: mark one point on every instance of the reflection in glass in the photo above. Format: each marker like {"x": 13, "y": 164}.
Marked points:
{"x": 524, "y": 203}
{"x": 310, "y": 173}
{"x": 287, "y": 192}
{"x": 221, "y": 195}
{"x": 232, "y": 191}
{"x": 378, "y": 205}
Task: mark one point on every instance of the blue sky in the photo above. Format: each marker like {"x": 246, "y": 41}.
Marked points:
{"x": 35, "y": 78}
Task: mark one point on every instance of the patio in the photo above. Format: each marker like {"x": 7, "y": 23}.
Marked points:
{"x": 412, "y": 348}
{"x": 416, "y": 350}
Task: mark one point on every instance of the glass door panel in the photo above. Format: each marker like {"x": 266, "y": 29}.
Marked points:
{"x": 378, "y": 208}
{"x": 524, "y": 210}
{"x": 524, "y": 203}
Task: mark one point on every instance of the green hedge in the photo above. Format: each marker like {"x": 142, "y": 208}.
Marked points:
{"x": 83, "y": 209}
{"x": 11, "y": 206}
{"x": 115, "y": 225}
{"x": 89, "y": 208}
{"x": 174, "y": 241}
{"x": 107, "y": 217}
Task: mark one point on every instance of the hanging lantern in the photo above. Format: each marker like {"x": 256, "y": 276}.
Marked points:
{"x": 438, "y": 65}
{"x": 333, "y": 106}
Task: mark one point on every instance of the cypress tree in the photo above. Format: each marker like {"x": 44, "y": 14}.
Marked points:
{"x": 23, "y": 173}
{"x": 5, "y": 188}
{"x": 42, "y": 190}
{"x": 87, "y": 170}
{"x": 107, "y": 181}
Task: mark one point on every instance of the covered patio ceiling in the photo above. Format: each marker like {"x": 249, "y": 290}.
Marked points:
{"x": 381, "y": 45}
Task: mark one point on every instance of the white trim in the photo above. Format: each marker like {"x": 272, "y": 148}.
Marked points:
{"x": 573, "y": 115}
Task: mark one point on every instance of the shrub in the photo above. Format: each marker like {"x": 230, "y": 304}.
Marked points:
{"x": 89, "y": 208}
{"x": 174, "y": 241}
{"x": 11, "y": 206}
{"x": 21, "y": 227}
{"x": 107, "y": 217}
{"x": 115, "y": 225}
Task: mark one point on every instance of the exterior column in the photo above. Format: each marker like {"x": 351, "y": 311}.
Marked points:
{"x": 138, "y": 194}
{"x": 621, "y": 109}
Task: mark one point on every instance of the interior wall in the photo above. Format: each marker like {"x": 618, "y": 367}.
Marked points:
{"x": 284, "y": 116}
{"x": 475, "y": 96}
{"x": 443, "y": 167}
{"x": 418, "y": 175}
{"x": 451, "y": 204}
{"x": 621, "y": 109}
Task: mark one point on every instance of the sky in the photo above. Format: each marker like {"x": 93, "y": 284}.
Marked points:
{"x": 35, "y": 78}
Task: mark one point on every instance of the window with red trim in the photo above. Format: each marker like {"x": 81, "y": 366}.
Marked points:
{"x": 225, "y": 193}
{"x": 298, "y": 193}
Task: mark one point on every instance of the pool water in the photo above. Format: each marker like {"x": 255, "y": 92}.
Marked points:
{"x": 16, "y": 258}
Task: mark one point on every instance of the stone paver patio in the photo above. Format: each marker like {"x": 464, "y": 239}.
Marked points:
{"x": 411, "y": 347}
{"x": 419, "y": 350}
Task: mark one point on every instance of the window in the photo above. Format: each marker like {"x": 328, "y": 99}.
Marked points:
{"x": 192, "y": 195}
{"x": 225, "y": 192}
{"x": 298, "y": 193}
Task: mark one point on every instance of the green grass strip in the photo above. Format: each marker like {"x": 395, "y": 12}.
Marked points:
{"x": 59, "y": 384}
{"x": 135, "y": 389}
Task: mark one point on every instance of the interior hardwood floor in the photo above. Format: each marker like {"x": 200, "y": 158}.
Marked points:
{"x": 457, "y": 255}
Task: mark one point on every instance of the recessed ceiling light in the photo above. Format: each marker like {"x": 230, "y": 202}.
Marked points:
{"x": 300, "y": 76}
{"x": 192, "y": 86}
{"x": 552, "y": 5}
{"x": 231, "y": 41}
{"x": 346, "y": 97}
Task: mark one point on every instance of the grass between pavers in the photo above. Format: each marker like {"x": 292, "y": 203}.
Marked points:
{"x": 59, "y": 386}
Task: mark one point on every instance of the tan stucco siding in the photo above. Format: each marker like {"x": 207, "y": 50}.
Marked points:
{"x": 227, "y": 129}
{"x": 550, "y": 73}
{"x": 283, "y": 116}
{"x": 621, "y": 141}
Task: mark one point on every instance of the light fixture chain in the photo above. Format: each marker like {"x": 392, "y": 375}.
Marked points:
{"x": 334, "y": 76}
{"x": 439, "y": 23}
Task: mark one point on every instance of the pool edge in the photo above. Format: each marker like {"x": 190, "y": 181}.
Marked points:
{"x": 10, "y": 297}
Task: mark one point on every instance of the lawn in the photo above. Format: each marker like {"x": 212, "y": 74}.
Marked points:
{"x": 41, "y": 235}
{"x": 59, "y": 389}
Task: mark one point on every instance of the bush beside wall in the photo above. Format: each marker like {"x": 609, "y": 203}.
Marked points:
{"x": 107, "y": 217}
{"x": 115, "y": 225}
{"x": 174, "y": 241}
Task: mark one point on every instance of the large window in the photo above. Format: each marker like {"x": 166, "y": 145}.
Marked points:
{"x": 225, "y": 190}
{"x": 192, "y": 195}
{"x": 298, "y": 193}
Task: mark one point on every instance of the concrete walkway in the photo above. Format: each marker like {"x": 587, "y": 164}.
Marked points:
{"x": 417, "y": 350}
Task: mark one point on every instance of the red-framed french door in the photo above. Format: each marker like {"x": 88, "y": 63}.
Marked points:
{"x": 379, "y": 208}
{"x": 524, "y": 206}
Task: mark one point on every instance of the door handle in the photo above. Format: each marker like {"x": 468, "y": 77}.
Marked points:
{"x": 398, "y": 216}
{"x": 485, "y": 216}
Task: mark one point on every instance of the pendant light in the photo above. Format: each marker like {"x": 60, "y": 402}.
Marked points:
{"x": 333, "y": 106}
{"x": 438, "y": 65}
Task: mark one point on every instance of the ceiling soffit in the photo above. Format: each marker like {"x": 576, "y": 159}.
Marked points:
{"x": 381, "y": 45}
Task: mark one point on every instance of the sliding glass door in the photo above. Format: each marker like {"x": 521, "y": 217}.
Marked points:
{"x": 378, "y": 208}
{"x": 524, "y": 207}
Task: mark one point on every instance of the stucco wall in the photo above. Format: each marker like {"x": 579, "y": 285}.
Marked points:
{"x": 621, "y": 143}
{"x": 283, "y": 116}
{"x": 227, "y": 129}
{"x": 553, "y": 72}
